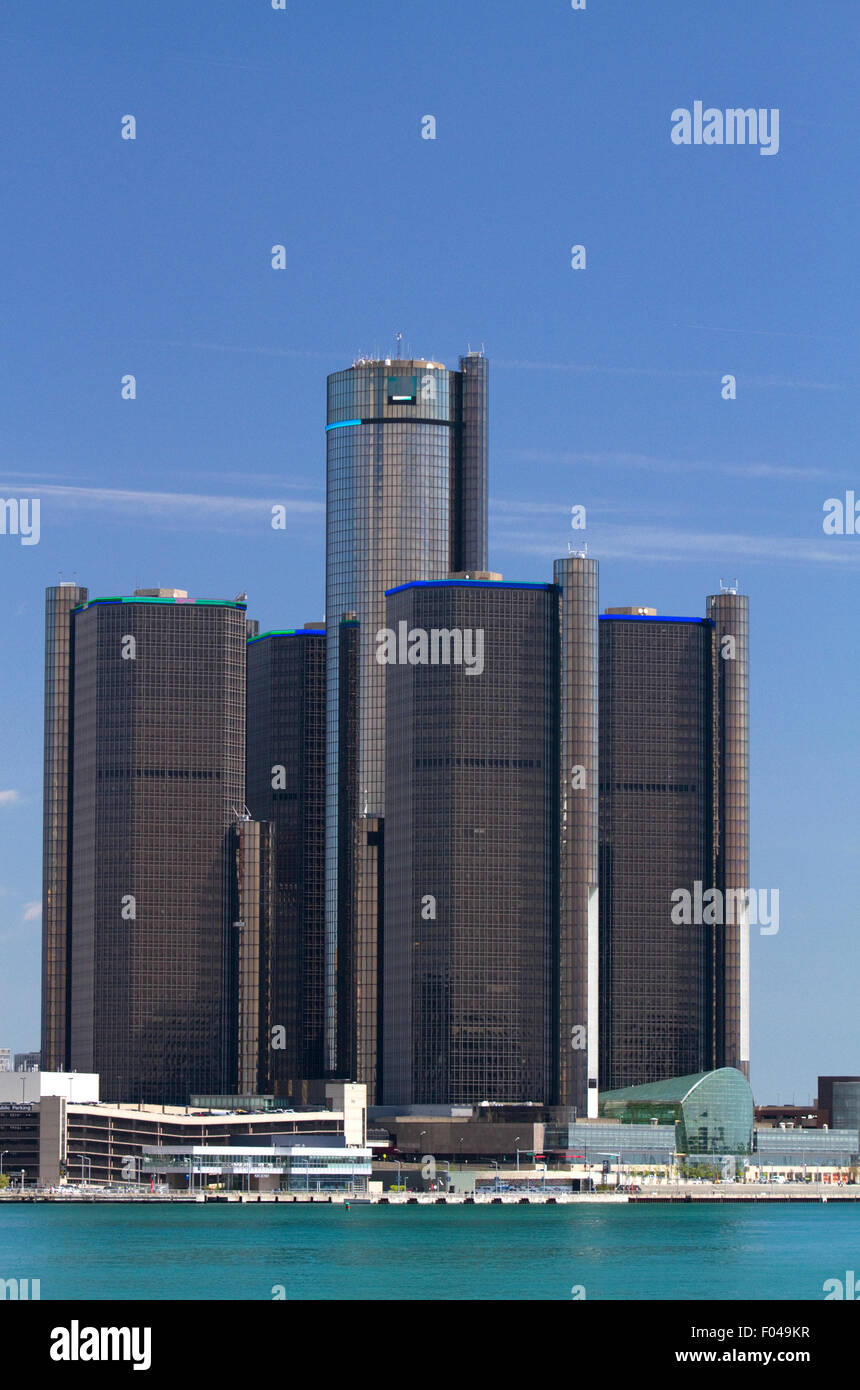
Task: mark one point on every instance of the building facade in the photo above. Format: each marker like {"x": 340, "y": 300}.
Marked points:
{"x": 155, "y": 769}
{"x": 61, "y": 601}
{"x": 285, "y": 773}
{"x": 839, "y": 1102}
{"x": 406, "y": 500}
{"x": 471, "y": 826}
{"x": 674, "y": 819}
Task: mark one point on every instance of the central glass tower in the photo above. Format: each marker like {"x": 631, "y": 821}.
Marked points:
{"x": 406, "y": 501}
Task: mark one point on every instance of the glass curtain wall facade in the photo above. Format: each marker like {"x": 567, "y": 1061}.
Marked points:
{"x": 471, "y": 820}
{"x": 285, "y": 775}
{"x": 253, "y": 927}
{"x": 657, "y": 832}
{"x": 839, "y": 1101}
{"x": 60, "y": 602}
{"x": 729, "y": 613}
{"x": 712, "y": 1110}
{"x": 576, "y": 962}
{"x": 406, "y": 500}
{"x": 158, "y": 767}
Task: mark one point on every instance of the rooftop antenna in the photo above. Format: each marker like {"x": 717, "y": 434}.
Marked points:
{"x": 399, "y": 337}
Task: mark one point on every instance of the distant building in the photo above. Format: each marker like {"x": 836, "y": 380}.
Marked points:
{"x": 28, "y": 1061}
{"x": 790, "y": 1116}
{"x": 5, "y": 1059}
{"x": 839, "y": 1101}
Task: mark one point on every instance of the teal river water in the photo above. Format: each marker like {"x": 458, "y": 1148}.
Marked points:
{"x": 328, "y": 1252}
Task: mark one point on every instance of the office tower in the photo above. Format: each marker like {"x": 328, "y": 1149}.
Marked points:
{"x": 576, "y": 964}
{"x": 60, "y": 602}
{"x": 406, "y": 500}
{"x": 470, "y": 845}
{"x": 28, "y": 1061}
{"x": 156, "y": 764}
{"x": 729, "y": 612}
{"x": 285, "y": 776}
{"x": 839, "y": 1102}
{"x": 673, "y": 800}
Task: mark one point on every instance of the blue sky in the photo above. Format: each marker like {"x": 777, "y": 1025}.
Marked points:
{"x": 302, "y": 127}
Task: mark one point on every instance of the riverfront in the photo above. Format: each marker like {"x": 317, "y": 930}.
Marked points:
{"x": 614, "y": 1250}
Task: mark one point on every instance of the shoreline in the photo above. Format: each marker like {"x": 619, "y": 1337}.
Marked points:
{"x": 432, "y": 1199}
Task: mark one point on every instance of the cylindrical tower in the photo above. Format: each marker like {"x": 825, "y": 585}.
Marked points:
{"x": 60, "y": 600}
{"x": 406, "y": 500}
{"x": 576, "y": 1040}
{"x": 730, "y": 613}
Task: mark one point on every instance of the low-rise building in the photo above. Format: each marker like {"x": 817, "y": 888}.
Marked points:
{"x": 55, "y": 1139}
{"x": 290, "y": 1167}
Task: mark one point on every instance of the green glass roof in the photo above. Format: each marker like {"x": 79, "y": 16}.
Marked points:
{"x": 673, "y": 1090}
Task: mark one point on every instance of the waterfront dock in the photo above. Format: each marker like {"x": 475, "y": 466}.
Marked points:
{"x": 747, "y": 1196}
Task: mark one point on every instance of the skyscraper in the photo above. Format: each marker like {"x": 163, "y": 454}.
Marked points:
{"x": 286, "y": 788}
{"x": 729, "y": 612}
{"x": 673, "y": 815}
{"x": 406, "y": 500}
{"x": 576, "y": 966}
{"x": 155, "y": 783}
{"x": 60, "y": 602}
{"x": 472, "y": 818}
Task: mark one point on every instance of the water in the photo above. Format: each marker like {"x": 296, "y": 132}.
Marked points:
{"x": 329, "y": 1252}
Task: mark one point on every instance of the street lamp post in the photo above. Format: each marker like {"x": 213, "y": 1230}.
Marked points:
{"x": 83, "y": 1157}
{"x": 516, "y": 1141}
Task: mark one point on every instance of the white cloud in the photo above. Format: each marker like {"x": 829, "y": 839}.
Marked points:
{"x": 662, "y": 543}
{"x": 32, "y": 912}
{"x": 658, "y": 464}
{"x": 180, "y": 509}
{"x": 8, "y": 798}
